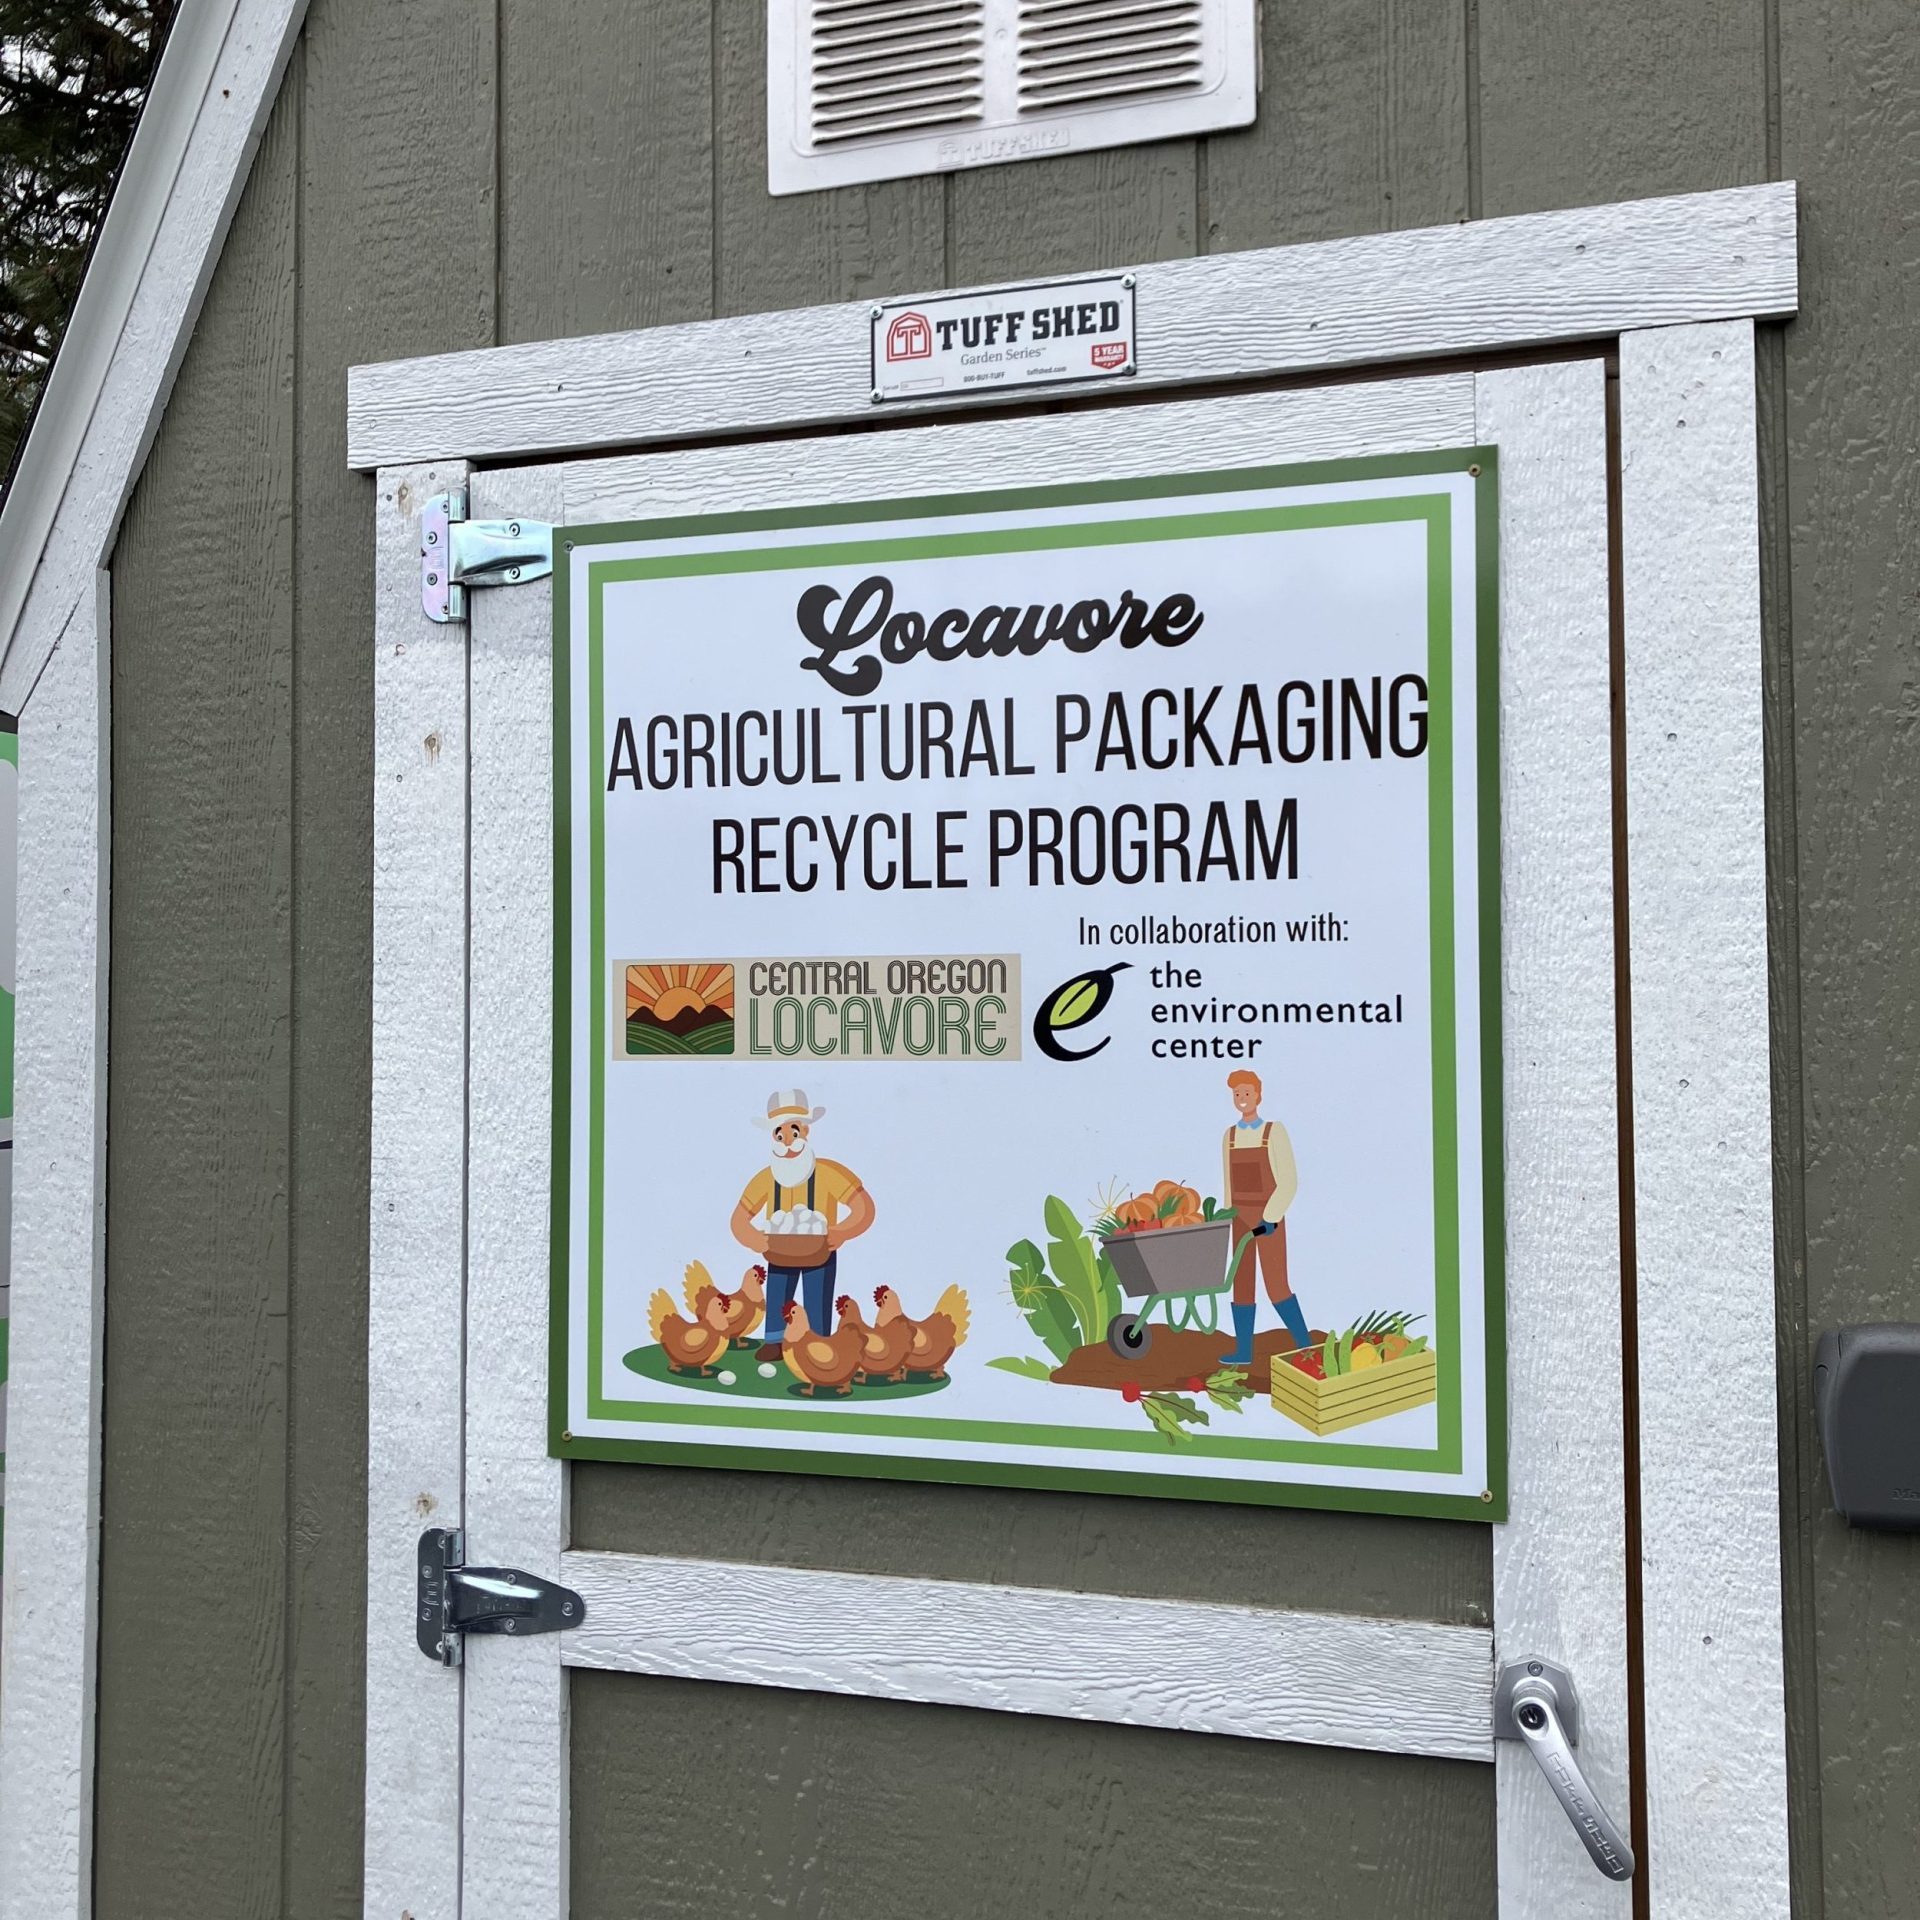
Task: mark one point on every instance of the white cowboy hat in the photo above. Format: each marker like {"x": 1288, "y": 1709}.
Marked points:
{"x": 789, "y": 1104}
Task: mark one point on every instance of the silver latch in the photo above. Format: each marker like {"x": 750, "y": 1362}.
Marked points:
{"x": 457, "y": 553}
{"x": 1534, "y": 1701}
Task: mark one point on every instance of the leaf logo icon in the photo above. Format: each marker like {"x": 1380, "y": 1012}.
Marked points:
{"x": 1071, "y": 1005}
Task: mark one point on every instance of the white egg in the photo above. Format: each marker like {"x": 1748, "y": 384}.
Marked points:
{"x": 767, "y": 1369}
{"x": 727, "y": 1379}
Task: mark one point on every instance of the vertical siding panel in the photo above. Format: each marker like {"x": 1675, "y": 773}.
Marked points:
{"x": 1110, "y": 209}
{"x": 189, "y": 1815}
{"x": 397, "y": 241}
{"x": 1850, "y": 134}
{"x": 1362, "y": 126}
{"x": 805, "y": 249}
{"x": 606, "y": 210}
{"x": 1579, "y": 105}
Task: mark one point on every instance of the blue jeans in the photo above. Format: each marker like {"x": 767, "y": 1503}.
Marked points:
{"x": 816, "y": 1284}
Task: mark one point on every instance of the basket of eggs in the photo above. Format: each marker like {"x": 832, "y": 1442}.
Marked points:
{"x": 797, "y": 1237}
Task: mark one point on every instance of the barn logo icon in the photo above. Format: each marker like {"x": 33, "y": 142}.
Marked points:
{"x": 909, "y": 337}
{"x": 1108, "y": 354}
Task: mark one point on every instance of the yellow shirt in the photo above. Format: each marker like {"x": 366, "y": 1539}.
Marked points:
{"x": 833, "y": 1186}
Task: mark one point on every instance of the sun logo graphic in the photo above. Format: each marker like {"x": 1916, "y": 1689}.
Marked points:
{"x": 679, "y": 1009}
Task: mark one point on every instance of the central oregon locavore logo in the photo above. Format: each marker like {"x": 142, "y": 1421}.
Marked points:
{"x": 843, "y": 1007}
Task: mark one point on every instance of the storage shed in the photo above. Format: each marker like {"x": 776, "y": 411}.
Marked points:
{"x": 286, "y": 1031}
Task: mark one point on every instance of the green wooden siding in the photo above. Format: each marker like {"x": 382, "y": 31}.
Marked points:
{"x": 449, "y": 174}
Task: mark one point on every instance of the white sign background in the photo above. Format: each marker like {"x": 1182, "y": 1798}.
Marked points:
{"x": 960, "y": 1157}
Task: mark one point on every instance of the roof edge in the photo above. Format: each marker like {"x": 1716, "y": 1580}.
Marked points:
{"x": 216, "y": 82}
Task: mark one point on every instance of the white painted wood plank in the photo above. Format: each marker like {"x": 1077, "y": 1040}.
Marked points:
{"x": 1485, "y": 285}
{"x": 49, "y": 1637}
{"x": 964, "y": 456}
{"x": 515, "y": 1842}
{"x": 1338, "y": 1680}
{"x": 417, "y": 1221}
{"x": 216, "y": 83}
{"x": 1559, "y": 1563}
{"x": 1702, "y": 1142}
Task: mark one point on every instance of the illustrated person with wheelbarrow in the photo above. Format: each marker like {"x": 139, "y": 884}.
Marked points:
{"x": 1260, "y": 1182}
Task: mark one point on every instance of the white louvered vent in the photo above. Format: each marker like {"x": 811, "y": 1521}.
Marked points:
{"x": 881, "y": 68}
{"x": 1074, "y": 52}
{"x": 879, "y": 89}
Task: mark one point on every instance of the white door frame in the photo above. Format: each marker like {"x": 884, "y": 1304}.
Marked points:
{"x": 152, "y": 264}
{"x": 1673, "y": 287}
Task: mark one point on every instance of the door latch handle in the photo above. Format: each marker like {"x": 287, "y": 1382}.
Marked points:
{"x": 1535, "y": 1702}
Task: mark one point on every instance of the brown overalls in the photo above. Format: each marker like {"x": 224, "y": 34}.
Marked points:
{"x": 1253, "y": 1183}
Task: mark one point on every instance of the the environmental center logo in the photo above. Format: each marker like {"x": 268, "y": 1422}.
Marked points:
{"x": 1072, "y": 1005}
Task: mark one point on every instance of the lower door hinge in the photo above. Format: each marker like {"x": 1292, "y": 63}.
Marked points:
{"x": 457, "y": 1599}
{"x": 457, "y": 553}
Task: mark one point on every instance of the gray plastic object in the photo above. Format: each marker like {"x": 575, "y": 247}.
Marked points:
{"x": 1866, "y": 1394}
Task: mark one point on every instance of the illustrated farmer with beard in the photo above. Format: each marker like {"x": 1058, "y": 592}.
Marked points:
{"x": 793, "y": 1178}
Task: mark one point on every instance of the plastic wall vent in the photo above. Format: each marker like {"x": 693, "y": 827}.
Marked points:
{"x": 1073, "y": 52}
{"x": 880, "y": 89}
{"x": 881, "y": 68}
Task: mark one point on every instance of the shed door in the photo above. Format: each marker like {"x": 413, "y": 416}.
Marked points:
{"x": 972, "y": 1691}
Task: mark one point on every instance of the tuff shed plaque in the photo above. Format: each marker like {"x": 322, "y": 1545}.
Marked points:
{"x": 1061, "y": 330}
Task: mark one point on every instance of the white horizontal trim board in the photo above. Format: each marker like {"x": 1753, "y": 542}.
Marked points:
{"x": 1333, "y": 1680}
{"x": 1479, "y": 287}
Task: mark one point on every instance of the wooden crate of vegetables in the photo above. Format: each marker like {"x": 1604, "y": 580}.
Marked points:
{"x": 1376, "y": 1367}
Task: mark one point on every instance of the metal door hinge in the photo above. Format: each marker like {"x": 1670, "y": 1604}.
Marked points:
{"x": 457, "y": 553}
{"x": 457, "y": 1599}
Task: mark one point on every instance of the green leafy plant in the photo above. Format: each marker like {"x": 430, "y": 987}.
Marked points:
{"x": 1172, "y": 1415}
{"x": 1084, "y": 1276}
{"x": 1230, "y": 1389}
{"x": 1025, "y": 1365}
{"x": 1039, "y": 1297}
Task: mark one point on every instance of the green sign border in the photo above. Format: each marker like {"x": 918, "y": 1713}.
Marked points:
{"x": 1435, "y": 511}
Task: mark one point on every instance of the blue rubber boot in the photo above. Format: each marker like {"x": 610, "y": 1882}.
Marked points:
{"x": 1292, "y": 1319}
{"x": 1242, "y": 1354}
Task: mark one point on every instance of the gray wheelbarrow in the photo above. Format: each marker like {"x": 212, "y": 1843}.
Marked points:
{"x": 1177, "y": 1271}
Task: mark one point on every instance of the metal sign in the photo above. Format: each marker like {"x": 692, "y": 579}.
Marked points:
{"x": 1062, "y": 330}
{"x": 1030, "y": 972}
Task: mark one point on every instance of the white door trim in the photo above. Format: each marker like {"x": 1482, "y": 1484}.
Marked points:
{"x": 1540, "y": 280}
{"x": 59, "y": 1268}
{"x": 1702, "y": 1123}
{"x": 418, "y": 1200}
{"x": 1533, "y": 280}
{"x": 1566, "y": 1453}
{"x": 1261, "y": 1673}
{"x": 158, "y": 247}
